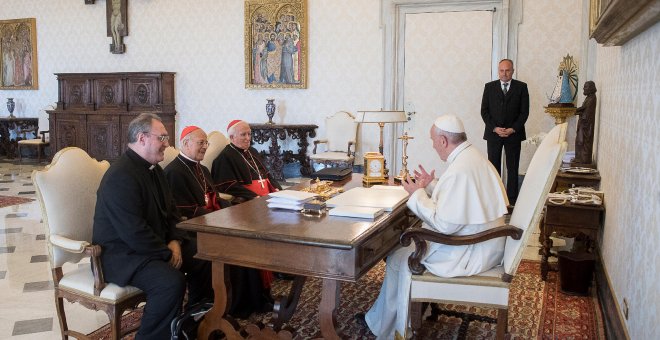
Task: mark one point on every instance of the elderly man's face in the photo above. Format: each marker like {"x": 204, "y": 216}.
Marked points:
{"x": 195, "y": 147}
{"x": 242, "y": 135}
{"x": 505, "y": 71}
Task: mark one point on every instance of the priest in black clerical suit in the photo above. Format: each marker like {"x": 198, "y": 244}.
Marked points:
{"x": 191, "y": 183}
{"x": 135, "y": 224}
{"x": 504, "y": 110}
{"x": 238, "y": 170}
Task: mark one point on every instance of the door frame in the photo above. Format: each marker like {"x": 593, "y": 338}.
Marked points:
{"x": 507, "y": 16}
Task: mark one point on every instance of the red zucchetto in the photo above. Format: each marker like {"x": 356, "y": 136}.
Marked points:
{"x": 187, "y": 130}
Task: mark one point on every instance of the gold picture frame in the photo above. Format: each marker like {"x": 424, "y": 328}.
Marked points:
{"x": 275, "y": 44}
{"x": 18, "y": 54}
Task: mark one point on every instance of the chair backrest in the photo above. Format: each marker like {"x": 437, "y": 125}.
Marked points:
{"x": 340, "y": 129}
{"x": 217, "y": 143}
{"x": 531, "y": 199}
{"x": 66, "y": 190}
{"x": 170, "y": 154}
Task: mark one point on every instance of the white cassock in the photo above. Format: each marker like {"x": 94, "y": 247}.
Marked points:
{"x": 468, "y": 198}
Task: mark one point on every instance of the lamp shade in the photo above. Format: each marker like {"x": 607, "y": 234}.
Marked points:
{"x": 382, "y": 116}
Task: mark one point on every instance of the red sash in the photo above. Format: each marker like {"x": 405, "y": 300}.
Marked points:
{"x": 211, "y": 200}
{"x": 256, "y": 187}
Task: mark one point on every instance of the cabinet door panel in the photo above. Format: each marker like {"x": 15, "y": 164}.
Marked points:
{"x": 109, "y": 94}
{"x": 143, "y": 93}
{"x": 103, "y": 136}
{"x": 70, "y": 131}
{"x": 76, "y": 93}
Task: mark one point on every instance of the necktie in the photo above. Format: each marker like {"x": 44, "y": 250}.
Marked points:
{"x": 505, "y": 87}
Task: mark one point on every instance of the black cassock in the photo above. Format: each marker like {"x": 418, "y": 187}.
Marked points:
{"x": 187, "y": 178}
{"x": 191, "y": 182}
{"x": 232, "y": 171}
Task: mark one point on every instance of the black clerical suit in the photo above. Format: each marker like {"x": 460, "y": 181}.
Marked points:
{"x": 505, "y": 111}
{"x": 134, "y": 221}
{"x": 190, "y": 181}
{"x": 231, "y": 171}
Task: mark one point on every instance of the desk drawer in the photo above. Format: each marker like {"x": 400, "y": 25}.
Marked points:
{"x": 379, "y": 245}
{"x": 567, "y": 216}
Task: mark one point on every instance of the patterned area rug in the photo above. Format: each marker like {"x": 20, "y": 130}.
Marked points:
{"x": 6, "y": 201}
{"x": 537, "y": 310}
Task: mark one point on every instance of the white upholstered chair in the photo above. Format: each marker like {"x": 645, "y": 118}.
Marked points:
{"x": 341, "y": 134}
{"x": 217, "y": 143}
{"x": 66, "y": 190}
{"x": 491, "y": 288}
{"x": 170, "y": 154}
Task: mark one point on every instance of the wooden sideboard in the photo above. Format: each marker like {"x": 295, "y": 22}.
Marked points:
{"x": 94, "y": 109}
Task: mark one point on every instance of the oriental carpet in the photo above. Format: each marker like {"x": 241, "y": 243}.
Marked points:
{"x": 6, "y": 201}
{"x": 538, "y": 310}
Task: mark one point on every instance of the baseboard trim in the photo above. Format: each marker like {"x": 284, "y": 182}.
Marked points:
{"x": 611, "y": 311}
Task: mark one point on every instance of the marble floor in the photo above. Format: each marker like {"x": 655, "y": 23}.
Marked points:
{"x": 27, "y": 308}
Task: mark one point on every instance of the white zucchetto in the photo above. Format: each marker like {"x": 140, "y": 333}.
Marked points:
{"x": 449, "y": 123}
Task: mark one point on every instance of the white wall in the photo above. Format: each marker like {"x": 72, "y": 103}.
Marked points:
{"x": 628, "y": 82}
{"x": 202, "y": 41}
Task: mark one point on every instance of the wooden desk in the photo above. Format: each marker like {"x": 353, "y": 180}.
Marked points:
{"x": 276, "y": 158}
{"x": 14, "y": 129}
{"x": 569, "y": 220}
{"x": 332, "y": 248}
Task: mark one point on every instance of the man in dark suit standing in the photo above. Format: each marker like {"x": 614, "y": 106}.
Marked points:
{"x": 504, "y": 109}
{"x": 134, "y": 223}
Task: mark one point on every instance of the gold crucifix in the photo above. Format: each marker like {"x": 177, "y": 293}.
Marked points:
{"x": 116, "y": 22}
{"x": 404, "y": 171}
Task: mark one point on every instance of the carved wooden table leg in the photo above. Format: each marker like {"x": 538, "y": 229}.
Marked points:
{"x": 546, "y": 246}
{"x": 328, "y": 309}
{"x": 214, "y": 319}
{"x": 285, "y": 306}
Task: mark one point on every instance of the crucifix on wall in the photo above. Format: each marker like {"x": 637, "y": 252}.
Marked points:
{"x": 116, "y": 22}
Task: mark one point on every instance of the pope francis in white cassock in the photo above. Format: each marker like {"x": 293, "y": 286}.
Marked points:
{"x": 468, "y": 198}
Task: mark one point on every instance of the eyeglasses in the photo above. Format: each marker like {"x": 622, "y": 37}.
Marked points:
{"x": 161, "y": 138}
{"x": 203, "y": 143}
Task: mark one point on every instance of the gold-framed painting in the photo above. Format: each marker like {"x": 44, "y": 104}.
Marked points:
{"x": 275, "y": 44}
{"x": 18, "y": 54}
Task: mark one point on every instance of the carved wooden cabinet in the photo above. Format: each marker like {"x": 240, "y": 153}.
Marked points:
{"x": 94, "y": 109}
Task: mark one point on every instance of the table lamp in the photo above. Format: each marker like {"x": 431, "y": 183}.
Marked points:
{"x": 381, "y": 118}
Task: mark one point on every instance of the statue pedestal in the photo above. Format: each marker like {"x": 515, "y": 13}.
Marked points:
{"x": 560, "y": 113}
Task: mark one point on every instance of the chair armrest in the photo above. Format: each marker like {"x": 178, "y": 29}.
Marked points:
{"x": 420, "y": 236}
{"x": 43, "y": 135}
{"x": 91, "y": 250}
{"x": 317, "y": 142}
{"x": 68, "y": 244}
{"x": 348, "y": 152}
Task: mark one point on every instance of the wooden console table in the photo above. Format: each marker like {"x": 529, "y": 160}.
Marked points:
{"x": 14, "y": 129}
{"x": 569, "y": 220}
{"x": 332, "y": 248}
{"x": 565, "y": 180}
{"x": 276, "y": 158}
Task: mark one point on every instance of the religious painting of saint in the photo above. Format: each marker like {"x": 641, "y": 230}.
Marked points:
{"x": 18, "y": 54}
{"x": 275, "y": 44}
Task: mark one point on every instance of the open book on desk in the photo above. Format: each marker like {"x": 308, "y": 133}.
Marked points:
{"x": 386, "y": 199}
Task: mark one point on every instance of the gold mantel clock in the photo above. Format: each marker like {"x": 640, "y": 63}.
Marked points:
{"x": 374, "y": 168}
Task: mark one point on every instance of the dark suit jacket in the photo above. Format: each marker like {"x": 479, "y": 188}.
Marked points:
{"x": 134, "y": 218}
{"x": 510, "y": 111}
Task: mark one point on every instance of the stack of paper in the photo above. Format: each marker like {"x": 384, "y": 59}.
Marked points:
{"x": 289, "y": 199}
{"x": 357, "y": 212}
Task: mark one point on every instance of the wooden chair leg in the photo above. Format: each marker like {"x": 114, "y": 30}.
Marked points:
{"x": 59, "y": 307}
{"x": 416, "y": 318}
{"x": 502, "y": 321}
{"x": 20, "y": 156}
{"x": 115, "y": 323}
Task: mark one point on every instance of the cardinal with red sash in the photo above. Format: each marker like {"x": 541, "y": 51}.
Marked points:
{"x": 240, "y": 172}
{"x": 192, "y": 187}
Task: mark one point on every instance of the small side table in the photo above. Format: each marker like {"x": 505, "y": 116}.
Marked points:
{"x": 569, "y": 220}
{"x": 565, "y": 180}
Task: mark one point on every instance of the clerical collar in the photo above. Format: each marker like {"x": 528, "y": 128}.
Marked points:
{"x": 138, "y": 159}
{"x": 458, "y": 150}
{"x": 237, "y": 148}
{"x": 188, "y": 158}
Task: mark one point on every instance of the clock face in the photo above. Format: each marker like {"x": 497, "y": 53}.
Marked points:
{"x": 375, "y": 168}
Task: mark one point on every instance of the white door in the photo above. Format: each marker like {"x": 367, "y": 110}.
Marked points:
{"x": 448, "y": 59}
